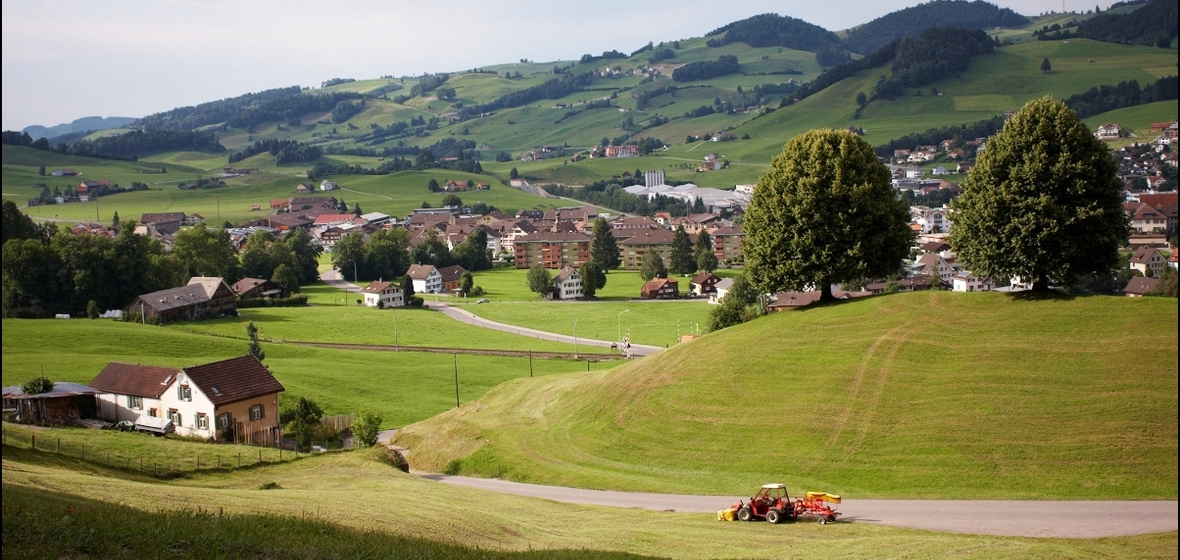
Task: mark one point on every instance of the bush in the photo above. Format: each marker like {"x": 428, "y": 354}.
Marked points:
{"x": 37, "y": 385}
{"x": 365, "y": 429}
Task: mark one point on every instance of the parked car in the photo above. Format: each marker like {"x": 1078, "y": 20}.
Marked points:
{"x": 482, "y": 300}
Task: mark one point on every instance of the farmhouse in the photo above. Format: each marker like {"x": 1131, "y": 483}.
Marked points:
{"x": 567, "y": 284}
{"x": 204, "y": 296}
{"x": 1149, "y": 259}
{"x": 704, "y": 284}
{"x": 1140, "y": 286}
{"x": 235, "y": 400}
{"x": 383, "y": 295}
{"x": 255, "y": 288}
{"x": 452, "y": 276}
{"x": 660, "y": 288}
{"x": 426, "y": 279}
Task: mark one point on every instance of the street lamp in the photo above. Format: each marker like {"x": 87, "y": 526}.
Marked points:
{"x": 618, "y": 324}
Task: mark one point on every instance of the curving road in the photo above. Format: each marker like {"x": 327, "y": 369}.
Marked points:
{"x": 1007, "y": 518}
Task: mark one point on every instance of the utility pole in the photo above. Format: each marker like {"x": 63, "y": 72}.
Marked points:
{"x": 575, "y": 337}
{"x": 395, "y": 347}
{"x": 456, "y": 355}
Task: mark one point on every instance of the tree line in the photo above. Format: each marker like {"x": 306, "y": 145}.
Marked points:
{"x": 705, "y": 69}
{"x": 936, "y": 53}
{"x": 284, "y": 151}
{"x": 552, "y": 89}
{"x": 1105, "y": 98}
{"x": 289, "y": 109}
{"x": 125, "y": 147}
{"x": 387, "y": 254}
{"x": 909, "y": 22}
{"x": 47, "y": 270}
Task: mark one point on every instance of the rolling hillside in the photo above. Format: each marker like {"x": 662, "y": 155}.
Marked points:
{"x": 923, "y": 395}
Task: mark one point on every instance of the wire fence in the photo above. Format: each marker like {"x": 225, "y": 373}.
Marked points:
{"x": 168, "y": 461}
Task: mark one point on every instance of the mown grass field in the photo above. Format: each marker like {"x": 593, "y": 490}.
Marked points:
{"x": 924, "y": 395}
{"x": 350, "y": 505}
{"x": 403, "y": 387}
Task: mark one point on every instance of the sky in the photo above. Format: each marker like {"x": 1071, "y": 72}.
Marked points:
{"x": 66, "y": 59}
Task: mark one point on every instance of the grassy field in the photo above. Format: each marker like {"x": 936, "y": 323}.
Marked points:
{"x": 925, "y": 395}
{"x": 351, "y": 505}
{"x": 403, "y": 387}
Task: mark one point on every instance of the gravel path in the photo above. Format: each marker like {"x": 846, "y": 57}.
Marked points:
{"x": 1009, "y": 518}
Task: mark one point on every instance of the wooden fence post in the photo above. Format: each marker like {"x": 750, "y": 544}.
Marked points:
{"x": 58, "y": 451}
{"x": 34, "y": 445}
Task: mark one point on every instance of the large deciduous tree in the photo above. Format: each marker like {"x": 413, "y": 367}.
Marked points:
{"x": 825, "y": 213}
{"x": 207, "y": 252}
{"x": 604, "y": 250}
{"x": 1043, "y": 202}
{"x": 652, "y": 266}
{"x": 539, "y": 280}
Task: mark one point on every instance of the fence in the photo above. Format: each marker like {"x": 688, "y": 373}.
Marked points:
{"x": 169, "y": 459}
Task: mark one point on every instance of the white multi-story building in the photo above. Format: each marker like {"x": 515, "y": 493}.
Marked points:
{"x": 932, "y": 220}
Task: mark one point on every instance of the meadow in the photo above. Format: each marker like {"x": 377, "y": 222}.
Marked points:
{"x": 403, "y": 387}
{"x": 352, "y": 505}
{"x": 922, "y": 395}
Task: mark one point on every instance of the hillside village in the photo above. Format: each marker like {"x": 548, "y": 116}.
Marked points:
{"x": 410, "y": 271}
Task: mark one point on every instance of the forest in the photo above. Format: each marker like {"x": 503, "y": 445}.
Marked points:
{"x": 705, "y": 69}
{"x": 936, "y": 53}
{"x": 288, "y": 109}
{"x": 552, "y": 89}
{"x": 910, "y": 21}
{"x": 1105, "y": 98}
{"x": 773, "y": 30}
{"x": 213, "y": 112}
{"x": 1152, "y": 25}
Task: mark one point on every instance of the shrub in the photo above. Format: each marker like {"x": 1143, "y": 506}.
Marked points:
{"x": 37, "y": 385}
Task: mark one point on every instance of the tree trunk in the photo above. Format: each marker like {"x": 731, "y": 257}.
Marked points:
{"x": 1040, "y": 285}
{"x": 825, "y": 292}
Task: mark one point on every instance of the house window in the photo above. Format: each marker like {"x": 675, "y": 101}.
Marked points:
{"x": 223, "y": 421}
{"x": 202, "y": 422}
{"x": 256, "y": 412}
{"x": 184, "y": 393}
{"x": 134, "y": 402}
{"x": 174, "y": 416}
{"x": 153, "y": 413}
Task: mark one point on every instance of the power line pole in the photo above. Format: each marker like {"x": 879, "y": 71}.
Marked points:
{"x": 456, "y": 355}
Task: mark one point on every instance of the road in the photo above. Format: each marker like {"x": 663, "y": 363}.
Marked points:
{"x": 472, "y": 319}
{"x": 334, "y": 279}
{"x": 1008, "y": 518}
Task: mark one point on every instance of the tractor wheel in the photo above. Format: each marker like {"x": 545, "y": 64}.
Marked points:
{"x": 744, "y": 514}
{"x": 823, "y": 521}
{"x": 773, "y": 516}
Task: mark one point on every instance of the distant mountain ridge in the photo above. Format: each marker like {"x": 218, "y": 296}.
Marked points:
{"x": 84, "y": 124}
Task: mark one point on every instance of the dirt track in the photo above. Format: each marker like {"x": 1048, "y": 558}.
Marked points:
{"x": 1015, "y": 518}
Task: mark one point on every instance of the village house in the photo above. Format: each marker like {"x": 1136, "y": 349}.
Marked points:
{"x": 567, "y": 284}
{"x": 704, "y": 284}
{"x": 1149, "y": 259}
{"x": 964, "y": 281}
{"x": 727, "y": 243}
{"x": 233, "y": 400}
{"x": 720, "y": 289}
{"x": 1140, "y": 286}
{"x": 935, "y": 264}
{"x": 327, "y": 185}
{"x": 452, "y": 277}
{"x": 931, "y": 220}
{"x": 383, "y": 295}
{"x": 426, "y": 279}
{"x": 1109, "y": 131}
{"x": 256, "y": 288}
{"x": 203, "y": 296}
{"x": 660, "y": 288}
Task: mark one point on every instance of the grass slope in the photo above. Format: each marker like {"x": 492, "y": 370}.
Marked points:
{"x": 351, "y": 505}
{"x": 403, "y": 387}
{"x": 926, "y": 395}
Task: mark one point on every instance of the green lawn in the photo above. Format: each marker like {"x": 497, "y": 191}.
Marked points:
{"x": 349, "y": 505}
{"x": 924, "y": 395}
{"x": 404, "y": 387}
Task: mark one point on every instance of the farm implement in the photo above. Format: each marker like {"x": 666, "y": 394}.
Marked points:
{"x": 773, "y": 504}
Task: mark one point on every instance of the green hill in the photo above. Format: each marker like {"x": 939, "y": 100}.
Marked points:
{"x": 923, "y": 395}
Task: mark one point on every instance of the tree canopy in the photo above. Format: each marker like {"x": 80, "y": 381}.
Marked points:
{"x": 681, "y": 257}
{"x": 1043, "y": 202}
{"x": 604, "y": 250}
{"x": 825, "y": 213}
{"x": 652, "y": 266}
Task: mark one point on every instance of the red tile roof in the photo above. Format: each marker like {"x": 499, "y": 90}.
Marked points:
{"x": 234, "y": 379}
{"x": 134, "y": 379}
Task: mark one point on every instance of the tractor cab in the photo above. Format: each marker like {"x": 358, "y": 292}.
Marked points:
{"x": 769, "y": 496}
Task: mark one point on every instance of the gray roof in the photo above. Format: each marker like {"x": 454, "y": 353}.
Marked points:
{"x": 60, "y": 389}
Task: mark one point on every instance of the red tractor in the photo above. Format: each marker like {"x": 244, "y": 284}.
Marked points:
{"x": 774, "y": 505}
{"x": 770, "y": 503}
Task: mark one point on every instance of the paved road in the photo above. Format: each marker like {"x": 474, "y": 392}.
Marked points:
{"x": 472, "y": 319}
{"x": 1057, "y": 519}
{"x": 335, "y": 280}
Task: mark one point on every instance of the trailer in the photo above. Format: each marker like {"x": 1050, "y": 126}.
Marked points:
{"x": 774, "y": 504}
